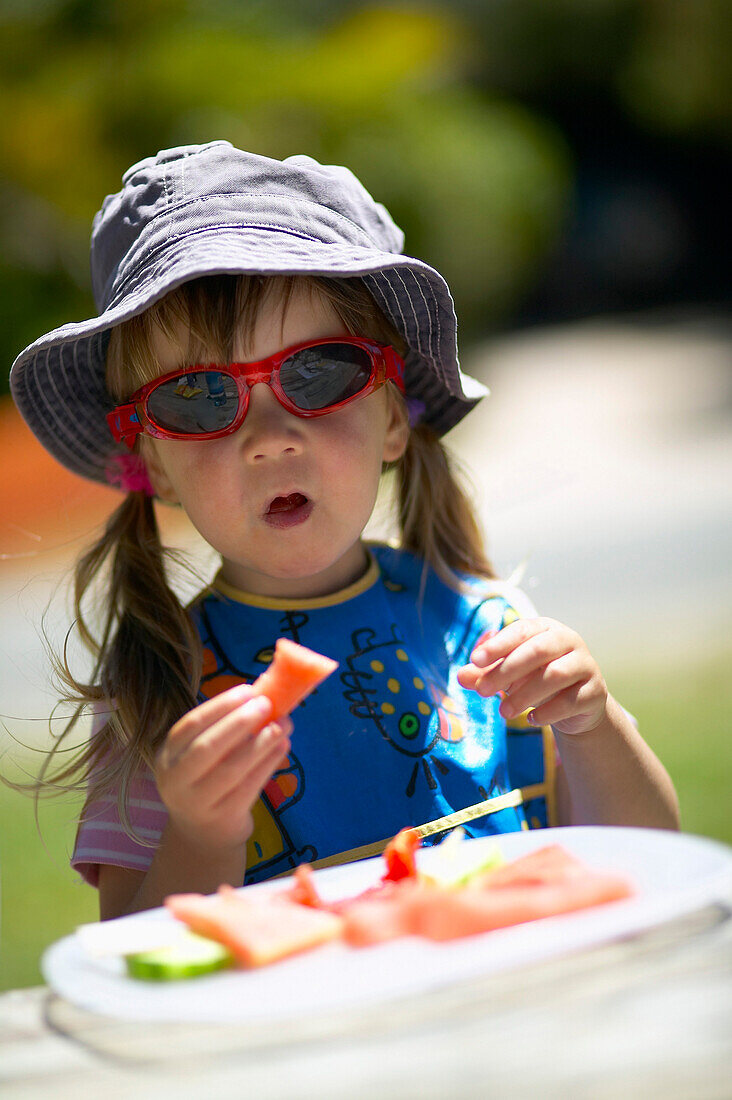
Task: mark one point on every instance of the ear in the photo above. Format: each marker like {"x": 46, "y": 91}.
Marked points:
{"x": 397, "y": 428}
{"x": 156, "y": 471}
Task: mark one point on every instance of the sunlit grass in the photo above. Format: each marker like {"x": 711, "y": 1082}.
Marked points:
{"x": 685, "y": 714}
{"x": 42, "y": 899}
{"x": 682, "y": 712}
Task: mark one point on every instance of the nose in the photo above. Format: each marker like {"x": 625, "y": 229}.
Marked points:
{"x": 269, "y": 431}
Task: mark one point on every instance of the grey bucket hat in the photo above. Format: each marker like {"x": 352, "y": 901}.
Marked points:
{"x": 213, "y": 209}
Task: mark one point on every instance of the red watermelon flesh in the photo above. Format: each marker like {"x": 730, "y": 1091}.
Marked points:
{"x": 256, "y": 931}
{"x": 303, "y": 890}
{"x": 294, "y": 672}
{"x": 543, "y": 884}
{"x": 400, "y": 855}
{"x": 551, "y": 863}
{"x": 447, "y": 915}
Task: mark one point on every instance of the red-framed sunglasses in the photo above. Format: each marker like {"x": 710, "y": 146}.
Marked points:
{"x": 205, "y": 402}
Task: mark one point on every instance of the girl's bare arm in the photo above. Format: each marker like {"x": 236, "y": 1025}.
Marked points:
{"x": 610, "y": 776}
{"x": 209, "y": 773}
{"x": 177, "y": 868}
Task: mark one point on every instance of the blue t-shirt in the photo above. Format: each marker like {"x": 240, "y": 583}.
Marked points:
{"x": 390, "y": 739}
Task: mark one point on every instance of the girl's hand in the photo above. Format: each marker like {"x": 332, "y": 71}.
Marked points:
{"x": 542, "y": 665}
{"x": 214, "y": 763}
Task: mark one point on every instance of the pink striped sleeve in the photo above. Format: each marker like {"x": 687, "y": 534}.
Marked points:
{"x": 101, "y": 836}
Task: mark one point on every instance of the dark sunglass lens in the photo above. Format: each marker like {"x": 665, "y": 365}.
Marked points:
{"x": 317, "y": 377}
{"x": 195, "y": 403}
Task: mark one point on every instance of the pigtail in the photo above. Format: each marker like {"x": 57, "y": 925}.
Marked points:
{"x": 146, "y": 659}
{"x": 436, "y": 516}
{"x": 149, "y": 652}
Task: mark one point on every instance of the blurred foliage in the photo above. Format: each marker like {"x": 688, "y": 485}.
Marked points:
{"x": 422, "y": 101}
{"x": 666, "y": 62}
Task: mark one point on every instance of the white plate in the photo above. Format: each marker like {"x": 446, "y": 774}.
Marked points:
{"x": 673, "y": 873}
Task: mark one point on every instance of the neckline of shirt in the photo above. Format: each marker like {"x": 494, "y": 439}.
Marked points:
{"x": 292, "y": 603}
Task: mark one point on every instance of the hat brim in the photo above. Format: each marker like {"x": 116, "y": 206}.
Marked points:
{"x": 58, "y": 382}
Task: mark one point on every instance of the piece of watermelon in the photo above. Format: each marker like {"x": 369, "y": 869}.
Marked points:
{"x": 379, "y": 914}
{"x": 303, "y": 890}
{"x": 551, "y": 863}
{"x": 399, "y": 856}
{"x": 294, "y": 672}
{"x": 543, "y": 884}
{"x": 449, "y": 915}
{"x": 256, "y": 931}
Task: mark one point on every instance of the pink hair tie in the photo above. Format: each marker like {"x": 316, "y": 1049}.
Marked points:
{"x": 129, "y": 473}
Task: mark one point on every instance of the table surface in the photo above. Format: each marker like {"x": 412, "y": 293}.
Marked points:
{"x": 647, "y": 1016}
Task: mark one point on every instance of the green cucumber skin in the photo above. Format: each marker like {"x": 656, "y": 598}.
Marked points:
{"x": 167, "y": 972}
{"x": 174, "y": 964}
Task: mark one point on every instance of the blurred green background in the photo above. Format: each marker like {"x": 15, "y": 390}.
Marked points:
{"x": 555, "y": 159}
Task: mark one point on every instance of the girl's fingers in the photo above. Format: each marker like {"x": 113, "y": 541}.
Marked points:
{"x": 200, "y": 718}
{"x": 249, "y": 786}
{"x": 243, "y": 757}
{"x": 503, "y": 642}
{"x": 537, "y": 651}
{"x": 216, "y": 783}
{"x": 575, "y": 710}
{"x": 285, "y": 724}
{"x": 469, "y": 676}
{"x": 203, "y": 752}
{"x": 213, "y": 748}
{"x": 220, "y": 807}
{"x": 544, "y": 683}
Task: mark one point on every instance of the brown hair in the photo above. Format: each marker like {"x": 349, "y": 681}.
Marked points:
{"x": 146, "y": 651}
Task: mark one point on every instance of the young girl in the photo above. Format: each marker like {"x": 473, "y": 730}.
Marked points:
{"x": 264, "y": 351}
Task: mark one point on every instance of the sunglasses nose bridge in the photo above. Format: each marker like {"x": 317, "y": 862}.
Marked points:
{"x": 262, "y": 399}
{"x": 252, "y": 375}
{"x": 246, "y": 377}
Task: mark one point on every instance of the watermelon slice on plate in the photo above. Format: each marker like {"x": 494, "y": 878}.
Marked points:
{"x": 256, "y": 931}
{"x": 544, "y": 883}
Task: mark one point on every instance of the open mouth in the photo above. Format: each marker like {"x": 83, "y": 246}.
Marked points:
{"x": 286, "y": 511}
{"x": 286, "y": 504}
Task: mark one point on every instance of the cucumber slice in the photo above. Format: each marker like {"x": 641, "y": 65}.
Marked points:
{"x": 189, "y": 956}
{"x": 457, "y": 862}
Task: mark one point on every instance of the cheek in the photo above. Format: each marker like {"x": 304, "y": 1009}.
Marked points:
{"x": 357, "y": 433}
{"x": 354, "y": 456}
{"x": 178, "y": 469}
